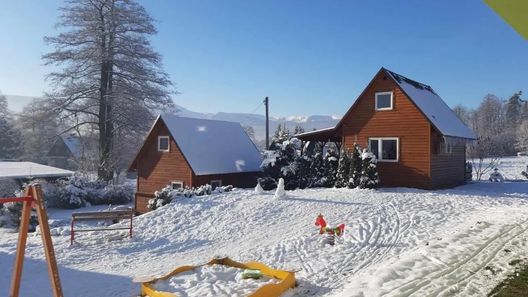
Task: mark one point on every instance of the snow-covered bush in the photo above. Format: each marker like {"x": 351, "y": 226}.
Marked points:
{"x": 468, "y": 172}
{"x": 118, "y": 194}
{"x": 496, "y": 176}
{"x": 355, "y": 169}
{"x": 342, "y": 169}
{"x": 267, "y": 183}
{"x": 168, "y": 194}
{"x": 8, "y": 187}
{"x": 369, "y": 173}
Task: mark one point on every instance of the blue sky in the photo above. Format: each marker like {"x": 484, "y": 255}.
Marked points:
{"x": 309, "y": 57}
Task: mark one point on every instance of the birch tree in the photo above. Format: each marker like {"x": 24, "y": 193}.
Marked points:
{"x": 106, "y": 73}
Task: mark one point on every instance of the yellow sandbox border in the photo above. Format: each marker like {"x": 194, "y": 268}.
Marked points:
{"x": 270, "y": 290}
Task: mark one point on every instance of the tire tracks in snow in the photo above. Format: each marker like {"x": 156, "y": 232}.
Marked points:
{"x": 465, "y": 269}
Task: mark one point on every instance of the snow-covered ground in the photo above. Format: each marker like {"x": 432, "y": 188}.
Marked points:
{"x": 397, "y": 241}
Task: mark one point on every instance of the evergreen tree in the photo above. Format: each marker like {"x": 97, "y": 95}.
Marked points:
{"x": 317, "y": 170}
{"x": 369, "y": 171}
{"x": 10, "y": 139}
{"x": 513, "y": 111}
{"x": 355, "y": 167}
{"x": 298, "y": 130}
{"x": 330, "y": 168}
{"x": 281, "y": 135}
{"x": 342, "y": 169}
{"x": 303, "y": 170}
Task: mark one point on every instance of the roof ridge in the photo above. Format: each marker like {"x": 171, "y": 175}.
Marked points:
{"x": 413, "y": 82}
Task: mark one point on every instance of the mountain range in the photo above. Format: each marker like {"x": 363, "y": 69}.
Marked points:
{"x": 257, "y": 121}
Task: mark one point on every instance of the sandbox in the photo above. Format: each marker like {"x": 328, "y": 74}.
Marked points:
{"x": 220, "y": 277}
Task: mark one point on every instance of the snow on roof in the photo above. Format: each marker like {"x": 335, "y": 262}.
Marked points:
{"x": 213, "y": 147}
{"x": 30, "y": 170}
{"x": 434, "y": 108}
{"x": 74, "y": 145}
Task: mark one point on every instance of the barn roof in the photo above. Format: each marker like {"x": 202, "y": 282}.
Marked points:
{"x": 212, "y": 146}
{"x": 30, "y": 170}
{"x": 433, "y": 107}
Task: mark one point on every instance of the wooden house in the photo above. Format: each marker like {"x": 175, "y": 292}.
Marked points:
{"x": 418, "y": 140}
{"x": 189, "y": 152}
{"x": 66, "y": 152}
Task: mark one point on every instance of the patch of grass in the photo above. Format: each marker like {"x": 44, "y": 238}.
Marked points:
{"x": 514, "y": 286}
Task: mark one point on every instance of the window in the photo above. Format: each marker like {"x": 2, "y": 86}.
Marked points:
{"x": 178, "y": 184}
{"x": 383, "y": 100}
{"x": 385, "y": 149}
{"x": 447, "y": 148}
{"x": 216, "y": 183}
{"x": 163, "y": 143}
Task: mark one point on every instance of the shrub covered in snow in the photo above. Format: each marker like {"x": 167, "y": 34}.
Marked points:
{"x": 496, "y": 176}
{"x": 78, "y": 191}
{"x": 8, "y": 187}
{"x": 168, "y": 194}
{"x": 369, "y": 173}
{"x": 268, "y": 183}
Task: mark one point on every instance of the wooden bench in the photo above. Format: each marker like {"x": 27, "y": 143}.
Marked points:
{"x": 114, "y": 215}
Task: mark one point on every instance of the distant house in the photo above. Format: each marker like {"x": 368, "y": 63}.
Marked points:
{"x": 66, "y": 152}
{"x": 188, "y": 152}
{"x": 418, "y": 140}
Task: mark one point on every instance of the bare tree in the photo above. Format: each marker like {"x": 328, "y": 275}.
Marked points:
{"x": 108, "y": 72}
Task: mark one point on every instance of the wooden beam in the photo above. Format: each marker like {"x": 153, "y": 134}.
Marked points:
{"x": 48, "y": 243}
{"x": 21, "y": 246}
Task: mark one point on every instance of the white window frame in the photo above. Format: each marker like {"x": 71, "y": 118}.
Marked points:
{"x": 391, "y": 100}
{"x": 380, "y": 148}
{"x": 168, "y": 143}
{"x": 177, "y": 182}
{"x": 219, "y": 181}
{"x": 448, "y": 148}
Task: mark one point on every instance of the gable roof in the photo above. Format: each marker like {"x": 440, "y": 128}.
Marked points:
{"x": 433, "y": 107}
{"x": 435, "y": 110}
{"x": 212, "y": 146}
{"x": 74, "y": 144}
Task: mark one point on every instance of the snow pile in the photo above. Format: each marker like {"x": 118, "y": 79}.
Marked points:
{"x": 212, "y": 281}
{"x": 259, "y": 189}
{"x": 168, "y": 194}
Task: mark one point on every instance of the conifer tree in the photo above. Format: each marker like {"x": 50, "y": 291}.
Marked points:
{"x": 369, "y": 171}
{"x": 342, "y": 169}
{"x": 354, "y": 170}
{"x": 330, "y": 168}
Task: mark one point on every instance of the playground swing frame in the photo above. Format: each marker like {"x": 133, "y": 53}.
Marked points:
{"x": 33, "y": 198}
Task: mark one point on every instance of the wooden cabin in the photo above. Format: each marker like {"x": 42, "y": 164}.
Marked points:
{"x": 66, "y": 152}
{"x": 418, "y": 140}
{"x": 189, "y": 152}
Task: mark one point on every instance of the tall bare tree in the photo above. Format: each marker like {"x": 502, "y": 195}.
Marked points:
{"x": 108, "y": 73}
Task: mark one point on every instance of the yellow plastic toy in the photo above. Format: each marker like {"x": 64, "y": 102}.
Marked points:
{"x": 287, "y": 279}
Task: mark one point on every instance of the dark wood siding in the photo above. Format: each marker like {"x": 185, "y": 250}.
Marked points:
{"x": 404, "y": 121}
{"x": 158, "y": 169}
{"x": 447, "y": 169}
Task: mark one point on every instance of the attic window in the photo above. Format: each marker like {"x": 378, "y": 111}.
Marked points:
{"x": 384, "y": 101}
{"x": 163, "y": 143}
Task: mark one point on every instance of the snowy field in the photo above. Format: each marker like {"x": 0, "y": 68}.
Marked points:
{"x": 397, "y": 241}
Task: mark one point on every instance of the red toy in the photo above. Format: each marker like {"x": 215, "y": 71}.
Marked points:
{"x": 321, "y": 223}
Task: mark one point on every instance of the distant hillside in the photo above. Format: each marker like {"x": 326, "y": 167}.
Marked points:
{"x": 258, "y": 121}
{"x": 16, "y": 103}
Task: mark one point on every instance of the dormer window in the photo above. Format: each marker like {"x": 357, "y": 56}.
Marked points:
{"x": 163, "y": 143}
{"x": 384, "y": 101}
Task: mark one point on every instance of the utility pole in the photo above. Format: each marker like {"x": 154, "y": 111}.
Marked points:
{"x": 266, "y": 102}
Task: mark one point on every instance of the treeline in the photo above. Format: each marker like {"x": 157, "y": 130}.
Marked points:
{"x": 501, "y": 125}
